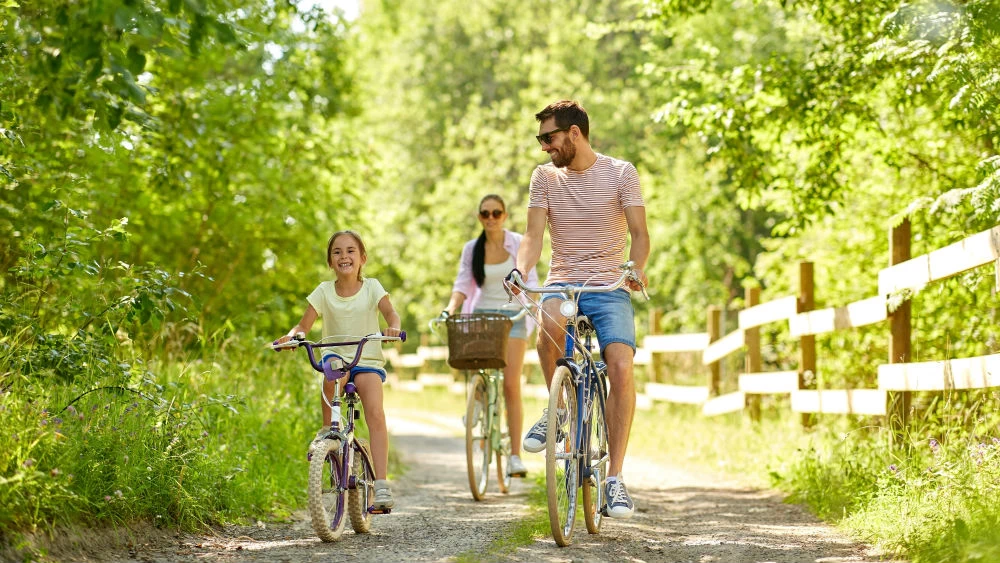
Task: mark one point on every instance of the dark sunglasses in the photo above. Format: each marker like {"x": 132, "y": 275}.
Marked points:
{"x": 485, "y": 213}
{"x": 546, "y": 138}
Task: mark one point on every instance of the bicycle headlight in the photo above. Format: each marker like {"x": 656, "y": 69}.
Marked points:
{"x": 567, "y": 308}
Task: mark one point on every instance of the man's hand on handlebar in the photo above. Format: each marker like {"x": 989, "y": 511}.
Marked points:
{"x": 638, "y": 281}
{"x": 509, "y": 282}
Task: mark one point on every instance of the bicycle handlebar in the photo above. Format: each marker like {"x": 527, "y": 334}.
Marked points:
{"x": 299, "y": 340}
{"x": 628, "y": 274}
{"x": 434, "y": 323}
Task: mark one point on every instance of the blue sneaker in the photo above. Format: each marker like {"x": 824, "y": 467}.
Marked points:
{"x": 619, "y": 502}
{"x": 534, "y": 440}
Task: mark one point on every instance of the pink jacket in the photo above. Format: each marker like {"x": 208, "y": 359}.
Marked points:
{"x": 465, "y": 283}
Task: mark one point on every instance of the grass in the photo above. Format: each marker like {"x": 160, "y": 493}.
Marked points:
{"x": 183, "y": 443}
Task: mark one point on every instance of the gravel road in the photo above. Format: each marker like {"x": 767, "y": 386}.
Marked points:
{"x": 681, "y": 517}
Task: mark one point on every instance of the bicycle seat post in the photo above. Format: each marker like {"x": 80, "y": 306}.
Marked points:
{"x": 336, "y": 415}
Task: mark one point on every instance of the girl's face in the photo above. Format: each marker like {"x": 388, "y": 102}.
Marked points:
{"x": 346, "y": 257}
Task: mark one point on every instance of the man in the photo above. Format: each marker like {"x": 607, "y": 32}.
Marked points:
{"x": 592, "y": 204}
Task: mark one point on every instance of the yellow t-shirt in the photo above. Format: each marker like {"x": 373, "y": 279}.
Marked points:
{"x": 351, "y": 317}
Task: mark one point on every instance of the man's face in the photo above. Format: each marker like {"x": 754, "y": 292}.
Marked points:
{"x": 560, "y": 145}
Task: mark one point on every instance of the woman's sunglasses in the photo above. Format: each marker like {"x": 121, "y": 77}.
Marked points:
{"x": 485, "y": 213}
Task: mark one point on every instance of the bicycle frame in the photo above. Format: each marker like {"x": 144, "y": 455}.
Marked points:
{"x": 588, "y": 379}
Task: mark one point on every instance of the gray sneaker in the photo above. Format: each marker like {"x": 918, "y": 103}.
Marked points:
{"x": 517, "y": 468}
{"x": 619, "y": 502}
{"x": 534, "y": 440}
{"x": 383, "y": 495}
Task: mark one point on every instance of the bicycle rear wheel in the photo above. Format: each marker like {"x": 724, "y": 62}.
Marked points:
{"x": 477, "y": 436}
{"x": 562, "y": 462}
{"x": 326, "y": 492}
{"x": 503, "y": 450}
{"x": 593, "y": 489}
{"x": 361, "y": 493}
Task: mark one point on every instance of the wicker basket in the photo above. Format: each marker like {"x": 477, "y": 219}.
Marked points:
{"x": 478, "y": 341}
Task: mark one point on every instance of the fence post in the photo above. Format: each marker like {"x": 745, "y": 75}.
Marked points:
{"x": 807, "y": 343}
{"x": 899, "y": 322}
{"x": 714, "y": 332}
{"x": 751, "y": 338}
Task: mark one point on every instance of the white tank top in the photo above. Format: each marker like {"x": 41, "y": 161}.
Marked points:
{"x": 493, "y": 295}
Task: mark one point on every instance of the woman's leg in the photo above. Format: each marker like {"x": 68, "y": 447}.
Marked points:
{"x": 512, "y": 390}
{"x": 370, "y": 389}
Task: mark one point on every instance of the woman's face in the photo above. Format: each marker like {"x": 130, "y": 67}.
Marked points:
{"x": 492, "y": 214}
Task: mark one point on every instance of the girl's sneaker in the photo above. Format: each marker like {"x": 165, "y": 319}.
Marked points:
{"x": 383, "y": 495}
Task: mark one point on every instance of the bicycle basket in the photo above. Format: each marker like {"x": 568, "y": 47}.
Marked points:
{"x": 478, "y": 341}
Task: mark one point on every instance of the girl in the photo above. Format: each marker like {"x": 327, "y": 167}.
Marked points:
{"x": 349, "y": 306}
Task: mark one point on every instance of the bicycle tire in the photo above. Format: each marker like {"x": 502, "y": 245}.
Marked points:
{"x": 503, "y": 448}
{"x": 361, "y": 493}
{"x": 326, "y": 492}
{"x": 477, "y": 436}
{"x": 562, "y": 462}
{"x": 598, "y": 459}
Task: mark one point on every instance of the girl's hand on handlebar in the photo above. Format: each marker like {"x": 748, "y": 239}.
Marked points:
{"x": 390, "y": 331}
{"x": 280, "y": 344}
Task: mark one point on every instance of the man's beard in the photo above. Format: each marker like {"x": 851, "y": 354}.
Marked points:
{"x": 565, "y": 154}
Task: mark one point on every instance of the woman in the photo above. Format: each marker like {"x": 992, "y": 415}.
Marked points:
{"x": 479, "y": 288}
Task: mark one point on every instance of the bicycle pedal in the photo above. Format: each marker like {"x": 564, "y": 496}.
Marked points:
{"x": 373, "y": 510}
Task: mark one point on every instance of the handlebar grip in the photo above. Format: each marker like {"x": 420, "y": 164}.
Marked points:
{"x": 402, "y": 336}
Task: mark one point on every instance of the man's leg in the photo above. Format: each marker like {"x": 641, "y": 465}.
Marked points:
{"x": 620, "y": 408}
{"x": 551, "y": 337}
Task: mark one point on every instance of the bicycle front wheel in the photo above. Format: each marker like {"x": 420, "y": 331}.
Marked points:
{"x": 477, "y": 436}
{"x": 326, "y": 491}
{"x": 562, "y": 462}
{"x": 598, "y": 460}
{"x": 361, "y": 493}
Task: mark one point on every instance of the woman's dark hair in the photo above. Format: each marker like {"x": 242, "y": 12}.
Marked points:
{"x": 479, "y": 250}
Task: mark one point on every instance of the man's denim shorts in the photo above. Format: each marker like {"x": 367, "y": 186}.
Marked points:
{"x": 520, "y": 328}
{"x": 610, "y": 312}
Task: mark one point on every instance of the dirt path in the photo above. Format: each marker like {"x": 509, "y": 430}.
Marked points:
{"x": 680, "y": 518}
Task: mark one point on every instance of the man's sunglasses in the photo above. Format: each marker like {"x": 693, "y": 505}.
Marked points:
{"x": 485, "y": 213}
{"x": 546, "y": 138}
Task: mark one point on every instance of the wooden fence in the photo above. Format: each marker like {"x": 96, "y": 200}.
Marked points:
{"x": 896, "y": 379}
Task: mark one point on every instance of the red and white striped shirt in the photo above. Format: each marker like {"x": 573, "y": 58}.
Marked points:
{"x": 586, "y": 218}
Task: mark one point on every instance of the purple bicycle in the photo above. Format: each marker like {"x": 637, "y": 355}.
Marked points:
{"x": 341, "y": 472}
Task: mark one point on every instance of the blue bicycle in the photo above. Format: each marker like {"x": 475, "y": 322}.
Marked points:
{"x": 576, "y": 442}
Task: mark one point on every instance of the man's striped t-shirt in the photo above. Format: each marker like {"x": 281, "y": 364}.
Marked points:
{"x": 586, "y": 218}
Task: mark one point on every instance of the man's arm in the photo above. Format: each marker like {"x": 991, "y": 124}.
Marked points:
{"x": 635, "y": 216}
{"x": 531, "y": 245}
